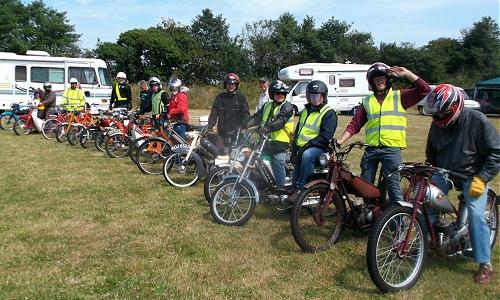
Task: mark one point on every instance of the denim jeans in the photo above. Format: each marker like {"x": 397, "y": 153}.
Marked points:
{"x": 180, "y": 129}
{"x": 305, "y": 166}
{"x": 390, "y": 158}
{"x": 278, "y": 165}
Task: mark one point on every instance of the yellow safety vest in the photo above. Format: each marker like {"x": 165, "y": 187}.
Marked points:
{"x": 281, "y": 135}
{"x": 156, "y": 104}
{"x": 310, "y": 124}
{"x": 386, "y": 124}
{"x": 118, "y": 95}
{"x": 73, "y": 99}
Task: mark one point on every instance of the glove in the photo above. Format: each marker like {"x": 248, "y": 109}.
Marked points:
{"x": 477, "y": 186}
{"x": 263, "y": 129}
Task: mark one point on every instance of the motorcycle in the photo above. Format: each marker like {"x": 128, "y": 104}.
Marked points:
{"x": 399, "y": 241}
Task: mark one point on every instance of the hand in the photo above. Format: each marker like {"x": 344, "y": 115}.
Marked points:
{"x": 477, "y": 186}
{"x": 263, "y": 129}
{"x": 398, "y": 72}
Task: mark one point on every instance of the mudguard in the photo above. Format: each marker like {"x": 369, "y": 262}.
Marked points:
{"x": 250, "y": 183}
{"x": 407, "y": 204}
{"x": 314, "y": 182}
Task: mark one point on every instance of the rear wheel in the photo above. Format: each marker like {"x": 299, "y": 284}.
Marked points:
{"x": 61, "y": 132}
{"x": 180, "y": 172}
{"x": 100, "y": 141}
{"x": 151, "y": 155}
{"x": 7, "y": 121}
{"x": 20, "y": 127}
{"x": 49, "y": 128}
{"x": 73, "y": 134}
{"x": 316, "y": 228}
{"x": 213, "y": 180}
{"x": 117, "y": 145}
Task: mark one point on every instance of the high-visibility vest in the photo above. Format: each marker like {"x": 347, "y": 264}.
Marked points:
{"x": 281, "y": 135}
{"x": 156, "y": 104}
{"x": 73, "y": 99}
{"x": 309, "y": 125}
{"x": 386, "y": 125}
{"x": 118, "y": 95}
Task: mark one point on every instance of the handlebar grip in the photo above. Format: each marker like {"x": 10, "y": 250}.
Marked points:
{"x": 457, "y": 175}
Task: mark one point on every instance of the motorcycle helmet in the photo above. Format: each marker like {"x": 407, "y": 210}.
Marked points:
{"x": 277, "y": 86}
{"x": 121, "y": 75}
{"x": 233, "y": 79}
{"x": 317, "y": 87}
{"x": 174, "y": 83}
{"x": 445, "y": 102}
{"x": 378, "y": 69}
{"x": 154, "y": 80}
{"x": 47, "y": 86}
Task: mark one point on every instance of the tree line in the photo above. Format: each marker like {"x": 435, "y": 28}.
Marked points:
{"x": 203, "y": 52}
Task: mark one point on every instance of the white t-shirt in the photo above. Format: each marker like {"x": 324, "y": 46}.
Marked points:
{"x": 263, "y": 99}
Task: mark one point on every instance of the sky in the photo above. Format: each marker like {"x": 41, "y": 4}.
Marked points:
{"x": 417, "y": 21}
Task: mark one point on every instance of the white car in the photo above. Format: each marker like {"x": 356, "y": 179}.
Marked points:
{"x": 422, "y": 105}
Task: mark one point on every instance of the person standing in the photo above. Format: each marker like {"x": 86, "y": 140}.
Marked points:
{"x": 159, "y": 97}
{"x": 121, "y": 95}
{"x": 264, "y": 93}
{"x": 178, "y": 107}
{"x": 73, "y": 97}
{"x": 144, "y": 97}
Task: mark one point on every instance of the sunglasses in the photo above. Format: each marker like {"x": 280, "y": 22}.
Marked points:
{"x": 282, "y": 94}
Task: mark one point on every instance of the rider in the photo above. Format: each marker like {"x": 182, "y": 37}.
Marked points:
{"x": 73, "y": 97}
{"x": 229, "y": 109}
{"x": 48, "y": 100}
{"x": 159, "y": 97}
{"x": 464, "y": 141}
{"x": 121, "y": 95}
{"x": 316, "y": 127}
{"x": 178, "y": 106}
{"x": 144, "y": 97}
{"x": 384, "y": 114}
{"x": 275, "y": 117}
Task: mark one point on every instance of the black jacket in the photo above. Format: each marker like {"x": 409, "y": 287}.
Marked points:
{"x": 124, "y": 92}
{"x": 273, "y": 124}
{"x": 145, "y": 101}
{"x": 326, "y": 130}
{"x": 228, "y": 111}
{"x": 470, "y": 146}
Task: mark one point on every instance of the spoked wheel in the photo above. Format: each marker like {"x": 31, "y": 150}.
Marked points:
{"x": 491, "y": 215}
{"x": 100, "y": 141}
{"x": 233, "y": 203}
{"x": 49, "y": 128}
{"x": 134, "y": 148}
{"x": 151, "y": 155}
{"x": 61, "y": 132}
{"x": 213, "y": 180}
{"x": 87, "y": 136}
{"x": 117, "y": 145}
{"x": 314, "y": 227}
{"x": 181, "y": 172}
{"x": 7, "y": 122}
{"x": 73, "y": 134}
{"x": 396, "y": 253}
{"x": 20, "y": 127}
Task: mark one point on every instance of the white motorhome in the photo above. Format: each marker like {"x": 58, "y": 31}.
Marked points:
{"x": 20, "y": 73}
{"x": 347, "y": 85}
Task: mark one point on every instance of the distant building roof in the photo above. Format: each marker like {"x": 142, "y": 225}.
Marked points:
{"x": 493, "y": 82}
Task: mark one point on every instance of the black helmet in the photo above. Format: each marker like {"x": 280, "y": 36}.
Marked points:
{"x": 233, "y": 79}
{"x": 47, "y": 86}
{"x": 277, "y": 86}
{"x": 317, "y": 87}
{"x": 378, "y": 69}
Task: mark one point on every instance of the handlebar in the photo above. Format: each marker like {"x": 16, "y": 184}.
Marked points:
{"x": 428, "y": 170}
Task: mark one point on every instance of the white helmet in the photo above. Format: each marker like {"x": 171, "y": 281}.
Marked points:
{"x": 174, "y": 83}
{"x": 73, "y": 80}
{"x": 154, "y": 80}
{"x": 121, "y": 75}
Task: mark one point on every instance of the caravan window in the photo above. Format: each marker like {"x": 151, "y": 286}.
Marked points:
{"x": 43, "y": 74}
{"x": 346, "y": 82}
{"x": 103, "y": 74}
{"x": 331, "y": 80}
{"x": 20, "y": 73}
{"x": 301, "y": 88}
{"x": 84, "y": 75}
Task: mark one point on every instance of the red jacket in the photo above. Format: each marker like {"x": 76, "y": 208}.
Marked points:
{"x": 178, "y": 108}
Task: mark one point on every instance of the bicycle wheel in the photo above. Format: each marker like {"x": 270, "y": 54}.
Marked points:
{"x": 151, "y": 155}
{"x": 20, "y": 127}
{"x": 49, "y": 128}
{"x": 213, "y": 180}
{"x": 134, "y": 147}
{"x": 232, "y": 203}
{"x": 73, "y": 134}
{"x": 87, "y": 136}
{"x": 117, "y": 145}
{"x": 100, "y": 140}
{"x": 181, "y": 172}
{"x": 491, "y": 215}
{"x": 316, "y": 229}
{"x": 7, "y": 122}
{"x": 61, "y": 132}
{"x": 395, "y": 253}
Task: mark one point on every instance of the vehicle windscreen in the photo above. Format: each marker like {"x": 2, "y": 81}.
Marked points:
{"x": 104, "y": 76}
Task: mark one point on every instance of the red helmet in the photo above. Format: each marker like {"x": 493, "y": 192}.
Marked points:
{"x": 378, "y": 69}
{"x": 232, "y": 78}
{"x": 446, "y": 102}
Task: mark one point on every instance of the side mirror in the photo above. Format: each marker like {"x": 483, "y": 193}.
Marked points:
{"x": 87, "y": 93}
{"x": 294, "y": 93}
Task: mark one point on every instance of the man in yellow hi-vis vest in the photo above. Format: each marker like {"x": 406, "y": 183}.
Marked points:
{"x": 384, "y": 114}
{"x": 316, "y": 127}
{"x": 121, "y": 95}
{"x": 73, "y": 97}
{"x": 275, "y": 117}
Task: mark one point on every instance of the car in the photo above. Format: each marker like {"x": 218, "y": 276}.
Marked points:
{"x": 423, "y": 109}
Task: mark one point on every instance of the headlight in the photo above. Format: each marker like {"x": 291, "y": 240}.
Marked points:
{"x": 324, "y": 158}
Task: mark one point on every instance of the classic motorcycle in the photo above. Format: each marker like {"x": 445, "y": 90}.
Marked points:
{"x": 398, "y": 243}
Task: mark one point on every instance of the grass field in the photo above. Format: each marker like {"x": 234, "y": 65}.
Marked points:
{"x": 75, "y": 224}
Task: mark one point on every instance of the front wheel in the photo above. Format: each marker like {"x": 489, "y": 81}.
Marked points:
{"x": 49, "y": 128}
{"x": 20, "y": 127}
{"x": 73, "y": 134}
{"x": 7, "y": 121}
{"x": 117, "y": 145}
{"x": 151, "y": 154}
{"x": 233, "y": 203}
{"x": 61, "y": 132}
{"x": 314, "y": 226}
{"x": 213, "y": 180}
{"x": 182, "y": 172}
{"x": 396, "y": 253}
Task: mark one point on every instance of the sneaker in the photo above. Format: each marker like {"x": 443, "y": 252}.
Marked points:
{"x": 484, "y": 274}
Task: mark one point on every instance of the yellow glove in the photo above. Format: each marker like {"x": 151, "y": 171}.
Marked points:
{"x": 477, "y": 186}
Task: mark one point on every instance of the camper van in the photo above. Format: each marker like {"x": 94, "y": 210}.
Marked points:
{"x": 20, "y": 74}
{"x": 347, "y": 85}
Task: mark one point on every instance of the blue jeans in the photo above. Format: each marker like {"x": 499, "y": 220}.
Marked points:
{"x": 278, "y": 165}
{"x": 305, "y": 166}
{"x": 180, "y": 129}
{"x": 390, "y": 158}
